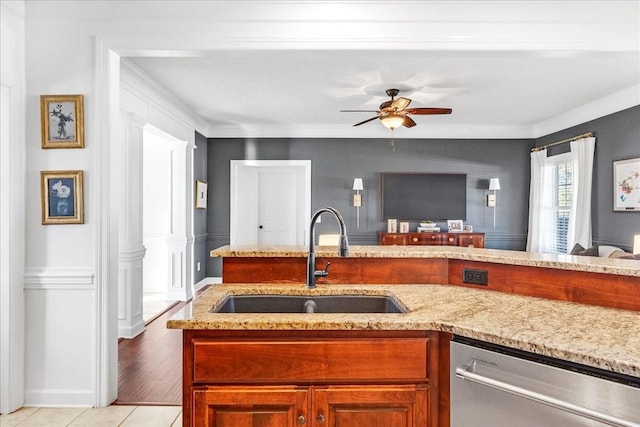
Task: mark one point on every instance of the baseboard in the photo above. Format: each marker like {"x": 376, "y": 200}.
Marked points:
{"x": 133, "y": 331}
{"x": 59, "y": 398}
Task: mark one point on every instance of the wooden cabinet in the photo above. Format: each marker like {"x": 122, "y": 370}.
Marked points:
{"x": 371, "y": 406}
{"x": 400, "y": 239}
{"x": 227, "y": 406}
{"x": 291, "y": 406}
{"x": 474, "y": 240}
{"x": 471, "y": 240}
{"x": 269, "y": 380}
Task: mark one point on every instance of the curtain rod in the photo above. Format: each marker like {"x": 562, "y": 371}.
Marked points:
{"x": 542, "y": 147}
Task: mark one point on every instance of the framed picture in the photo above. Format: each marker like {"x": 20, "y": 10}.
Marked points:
{"x": 454, "y": 224}
{"x": 62, "y": 197}
{"x": 201, "y": 195}
{"x": 626, "y": 185}
{"x": 467, "y": 228}
{"x": 62, "y": 118}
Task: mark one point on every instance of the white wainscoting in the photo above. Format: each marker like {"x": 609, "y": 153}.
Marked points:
{"x": 60, "y": 335}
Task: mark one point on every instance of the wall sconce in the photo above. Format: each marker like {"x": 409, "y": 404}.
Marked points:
{"x": 636, "y": 244}
{"x": 494, "y": 184}
{"x": 357, "y": 198}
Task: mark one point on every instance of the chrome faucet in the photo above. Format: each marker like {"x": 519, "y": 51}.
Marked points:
{"x": 343, "y": 246}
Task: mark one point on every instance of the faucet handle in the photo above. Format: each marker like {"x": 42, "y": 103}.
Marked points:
{"x": 325, "y": 272}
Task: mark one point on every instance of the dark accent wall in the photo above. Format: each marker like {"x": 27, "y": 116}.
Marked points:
{"x": 200, "y": 172}
{"x": 617, "y": 138}
{"x": 335, "y": 162}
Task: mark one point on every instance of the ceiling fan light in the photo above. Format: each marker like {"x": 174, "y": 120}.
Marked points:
{"x": 392, "y": 121}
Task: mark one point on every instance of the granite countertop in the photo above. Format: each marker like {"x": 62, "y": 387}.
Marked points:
{"x": 625, "y": 267}
{"x": 601, "y": 337}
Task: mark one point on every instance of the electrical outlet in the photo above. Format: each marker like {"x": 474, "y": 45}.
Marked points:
{"x": 476, "y": 277}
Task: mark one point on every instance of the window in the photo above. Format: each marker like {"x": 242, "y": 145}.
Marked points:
{"x": 555, "y": 214}
{"x": 562, "y": 208}
{"x": 560, "y": 198}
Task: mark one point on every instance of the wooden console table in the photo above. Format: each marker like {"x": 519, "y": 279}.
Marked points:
{"x": 472, "y": 240}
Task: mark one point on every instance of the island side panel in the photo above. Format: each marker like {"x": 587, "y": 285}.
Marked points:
{"x": 606, "y": 290}
{"x": 355, "y": 270}
{"x": 264, "y": 270}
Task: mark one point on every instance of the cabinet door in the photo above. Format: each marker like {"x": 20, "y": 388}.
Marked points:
{"x": 471, "y": 240}
{"x": 250, "y": 406}
{"x": 371, "y": 406}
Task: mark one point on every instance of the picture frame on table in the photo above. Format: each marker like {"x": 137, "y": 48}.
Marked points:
{"x": 454, "y": 225}
{"x": 201, "y": 195}
{"x": 467, "y": 228}
{"x": 62, "y": 121}
{"x": 626, "y": 185}
{"x": 62, "y": 197}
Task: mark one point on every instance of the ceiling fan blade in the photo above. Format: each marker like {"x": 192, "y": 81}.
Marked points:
{"x": 408, "y": 122}
{"x": 428, "y": 110}
{"x": 400, "y": 103}
{"x": 359, "y": 111}
{"x": 366, "y": 121}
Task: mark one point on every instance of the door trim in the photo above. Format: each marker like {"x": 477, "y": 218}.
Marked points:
{"x": 236, "y": 167}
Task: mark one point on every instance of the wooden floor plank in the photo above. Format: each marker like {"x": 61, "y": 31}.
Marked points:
{"x": 150, "y": 365}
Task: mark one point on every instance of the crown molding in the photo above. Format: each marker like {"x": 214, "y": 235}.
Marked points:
{"x": 618, "y": 101}
{"x": 136, "y": 80}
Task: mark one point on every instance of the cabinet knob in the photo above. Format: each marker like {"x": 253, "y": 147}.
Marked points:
{"x": 451, "y": 239}
{"x": 301, "y": 420}
{"x": 415, "y": 239}
{"x": 320, "y": 418}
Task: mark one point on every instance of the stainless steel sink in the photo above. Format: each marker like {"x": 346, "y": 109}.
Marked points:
{"x": 308, "y": 304}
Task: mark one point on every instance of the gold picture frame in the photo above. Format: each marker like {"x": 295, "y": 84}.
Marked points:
{"x": 62, "y": 196}
{"x": 62, "y": 121}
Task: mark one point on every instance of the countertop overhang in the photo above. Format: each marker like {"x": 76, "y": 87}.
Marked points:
{"x": 601, "y": 337}
{"x": 624, "y": 267}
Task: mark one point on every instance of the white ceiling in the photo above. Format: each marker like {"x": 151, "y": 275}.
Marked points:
{"x": 507, "y": 72}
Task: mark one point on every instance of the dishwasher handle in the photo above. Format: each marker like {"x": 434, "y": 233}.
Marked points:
{"x": 467, "y": 372}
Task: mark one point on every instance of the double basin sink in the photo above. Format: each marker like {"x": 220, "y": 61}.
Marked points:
{"x": 309, "y": 304}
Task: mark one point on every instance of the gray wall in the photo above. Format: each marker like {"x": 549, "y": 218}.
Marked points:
{"x": 617, "y": 138}
{"x": 200, "y": 254}
{"x": 335, "y": 162}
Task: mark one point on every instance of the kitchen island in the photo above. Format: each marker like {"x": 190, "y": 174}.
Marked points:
{"x": 296, "y": 369}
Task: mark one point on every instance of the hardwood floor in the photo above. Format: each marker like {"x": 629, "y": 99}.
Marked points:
{"x": 150, "y": 365}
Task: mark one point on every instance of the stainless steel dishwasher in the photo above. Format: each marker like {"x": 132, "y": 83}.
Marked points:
{"x": 496, "y": 386}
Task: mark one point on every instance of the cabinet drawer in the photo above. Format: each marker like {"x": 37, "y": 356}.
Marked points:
{"x": 426, "y": 239}
{"x": 379, "y": 360}
{"x": 434, "y": 239}
{"x": 393, "y": 239}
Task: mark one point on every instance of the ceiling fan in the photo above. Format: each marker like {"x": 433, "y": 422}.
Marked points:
{"x": 394, "y": 113}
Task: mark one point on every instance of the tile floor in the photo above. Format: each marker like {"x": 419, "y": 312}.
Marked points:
{"x": 111, "y": 416}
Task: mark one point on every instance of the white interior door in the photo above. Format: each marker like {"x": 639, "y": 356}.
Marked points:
{"x": 276, "y": 207}
{"x": 270, "y": 202}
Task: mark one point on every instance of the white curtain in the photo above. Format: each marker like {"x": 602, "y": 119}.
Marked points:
{"x": 582, "y": 152}
{"x": 542, "y": 222}
{"x": 537, "y": 197}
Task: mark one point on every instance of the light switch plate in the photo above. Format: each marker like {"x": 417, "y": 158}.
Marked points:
{"x": 491, "y": 200}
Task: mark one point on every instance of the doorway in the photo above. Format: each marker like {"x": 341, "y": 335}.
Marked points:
{"x": 160, "y": 202}
{"x": 270, "y": 202}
